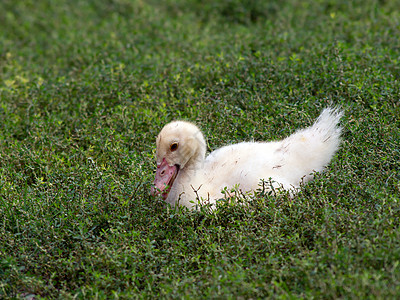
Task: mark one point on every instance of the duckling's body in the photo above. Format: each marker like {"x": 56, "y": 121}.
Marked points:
{"x": 184, "y": 175}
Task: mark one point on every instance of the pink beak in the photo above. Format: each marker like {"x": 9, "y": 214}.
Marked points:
{"x": 165, "y": 176}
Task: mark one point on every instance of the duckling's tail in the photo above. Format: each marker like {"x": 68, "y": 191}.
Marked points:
{"x": 311, "y": 149}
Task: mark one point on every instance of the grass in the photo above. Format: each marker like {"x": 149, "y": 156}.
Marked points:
{"x": 85, "y": 87}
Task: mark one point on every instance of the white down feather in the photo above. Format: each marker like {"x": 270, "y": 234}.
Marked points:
{"x": 287, "y": 162}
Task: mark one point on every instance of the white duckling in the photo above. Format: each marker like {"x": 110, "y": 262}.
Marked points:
{"x": 185, "y": 176}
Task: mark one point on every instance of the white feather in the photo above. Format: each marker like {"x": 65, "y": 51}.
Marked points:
{"x": 287, "y": 162}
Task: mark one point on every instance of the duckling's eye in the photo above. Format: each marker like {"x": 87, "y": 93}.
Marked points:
{"x": 173, "y": 147}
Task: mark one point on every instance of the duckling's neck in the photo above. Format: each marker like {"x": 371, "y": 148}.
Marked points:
{"x": 194, "y": 164}
{"x": 197, "y": 144}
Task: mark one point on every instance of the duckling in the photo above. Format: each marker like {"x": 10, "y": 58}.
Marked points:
{"x": 186, "y": 176}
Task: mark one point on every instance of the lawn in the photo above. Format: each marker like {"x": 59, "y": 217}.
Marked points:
{"x": 85, "y": 87}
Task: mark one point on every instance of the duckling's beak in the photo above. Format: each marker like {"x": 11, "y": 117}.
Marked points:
{"x": 165, "y": 176}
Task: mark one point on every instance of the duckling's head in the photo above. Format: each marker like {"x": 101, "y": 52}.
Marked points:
{"x": 180, "y": 146}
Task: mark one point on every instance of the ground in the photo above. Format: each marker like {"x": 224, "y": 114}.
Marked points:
{"x": 85, "y": 86}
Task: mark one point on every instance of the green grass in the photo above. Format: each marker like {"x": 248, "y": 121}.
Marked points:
{"x": 85, "y": 87}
